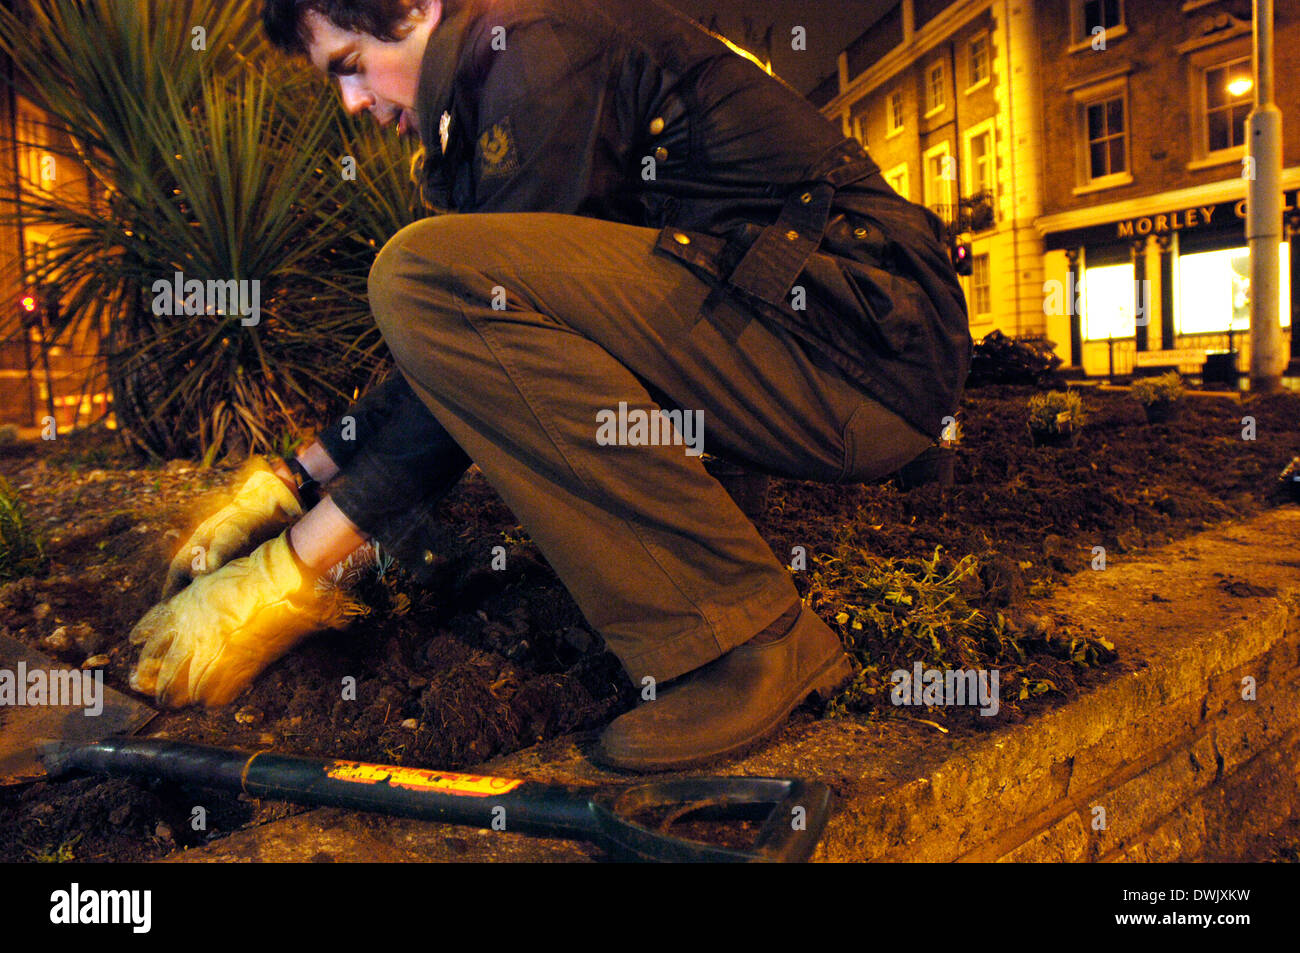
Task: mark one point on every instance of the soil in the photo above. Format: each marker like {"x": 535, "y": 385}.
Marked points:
{"x": 481, "y": 663}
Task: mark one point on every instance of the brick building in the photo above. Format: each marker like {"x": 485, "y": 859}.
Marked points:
{"x": 1091, "y": 151}
{"x": 1145, "y": 190}
{"x": 41, "y": 375}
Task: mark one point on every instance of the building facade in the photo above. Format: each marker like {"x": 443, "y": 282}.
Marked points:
{"x": 1092, "y": 152}
{"x": 1145, "y": 201}
{"x": 43, "y": 375}
{"x": 941, "y": 96}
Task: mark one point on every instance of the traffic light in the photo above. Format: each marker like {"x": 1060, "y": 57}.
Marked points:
{"x": 38, "y": 305}
{"x": 961, "y": 258}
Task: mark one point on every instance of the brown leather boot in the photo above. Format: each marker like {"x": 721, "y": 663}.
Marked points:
{"x": 730, "y": 704}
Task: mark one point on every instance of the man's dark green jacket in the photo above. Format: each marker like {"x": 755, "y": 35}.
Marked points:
{"x": 626, "y": 111}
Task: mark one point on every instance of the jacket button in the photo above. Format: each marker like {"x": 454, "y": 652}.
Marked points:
{"x": 427, "y": 556}
{"x": 661, "y": 153}
{"x": 792, "y": 235}
{"x": 681, "y": 238}
{"x": 806, "y": 198}
{"x": 656, "y": 126}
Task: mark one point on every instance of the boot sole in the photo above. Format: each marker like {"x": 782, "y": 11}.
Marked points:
{"x": 824, "y": 683}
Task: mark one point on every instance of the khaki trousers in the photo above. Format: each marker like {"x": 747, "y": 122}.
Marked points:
{"x": 523, "y": 333}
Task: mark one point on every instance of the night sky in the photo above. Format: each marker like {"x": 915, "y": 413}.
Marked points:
{"x": 831, "y": 26}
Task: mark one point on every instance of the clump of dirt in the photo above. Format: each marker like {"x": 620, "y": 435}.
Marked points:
{"x": 480, "y": 662}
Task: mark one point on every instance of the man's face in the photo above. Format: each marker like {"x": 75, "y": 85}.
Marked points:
{"x": 382, "y": 77}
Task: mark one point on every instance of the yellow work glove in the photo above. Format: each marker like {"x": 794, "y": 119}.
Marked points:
{"x": 262, "y": 502}
{"x": 210, "y": 641}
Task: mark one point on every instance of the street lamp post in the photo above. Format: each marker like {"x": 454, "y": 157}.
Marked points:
{"x": 1264, "y": 212}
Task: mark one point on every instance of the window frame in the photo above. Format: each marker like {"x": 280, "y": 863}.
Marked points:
{"x": 932, "y": 108}
{"x": 892, "y": 130}
{"x": 1199, "y": 65}
{"x": 1093, "y": 95}
{"x": 944, "y": 148}
{"x": 974, "y": 84}
{"x": 890, "y": 174}
{"x": 976, "y": 287}
{"x": 1081, "y": 39}
{"x": 986, "y": 128}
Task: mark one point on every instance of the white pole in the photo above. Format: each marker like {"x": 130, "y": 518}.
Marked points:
{"x": 1264, "y": 212}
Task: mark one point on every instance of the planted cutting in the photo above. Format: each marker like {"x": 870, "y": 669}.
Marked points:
{"x": 1160, "y": 396}
{"x": 935, "y": 464}
{"x": 1056, "y": 418}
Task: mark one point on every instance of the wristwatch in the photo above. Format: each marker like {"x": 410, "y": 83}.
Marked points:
{"x": 307, "y": 488}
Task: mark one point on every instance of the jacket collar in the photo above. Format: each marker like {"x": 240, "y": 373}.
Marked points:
{"x": 439, "y": 66}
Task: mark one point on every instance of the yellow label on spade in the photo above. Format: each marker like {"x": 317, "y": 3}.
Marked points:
{"x": 421, "y": 779}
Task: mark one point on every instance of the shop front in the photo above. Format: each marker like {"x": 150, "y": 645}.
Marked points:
{"x": 1156, "y": 291}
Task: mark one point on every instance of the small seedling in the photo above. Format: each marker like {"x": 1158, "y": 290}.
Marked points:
{"x": 1166, "y": 388}
{"x": 22, "y": 553}
{"x": 1056, "y": 416}
{"x": 1158, "y": 395}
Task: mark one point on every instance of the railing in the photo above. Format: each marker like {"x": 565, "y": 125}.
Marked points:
{"x": 973, "y": 213}
{"x": 1119, "y": 356}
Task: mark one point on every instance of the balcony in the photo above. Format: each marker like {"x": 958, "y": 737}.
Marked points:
{"x": 972, "y": 213}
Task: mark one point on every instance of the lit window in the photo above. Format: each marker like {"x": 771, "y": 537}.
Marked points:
{"x": 1228, "y": 99}
{"x": 1214, "y": 290}
{"x": 979, "y": 285}
{"x": 895, "y": 111}
{"x": 1108, "y": 299}
{"x": 979, "y": 59}
{"x": 935, "y": 97}
{"x": 1106, "y": 138}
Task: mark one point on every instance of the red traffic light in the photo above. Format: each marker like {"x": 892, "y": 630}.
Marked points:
{"x": 961, "y": 258}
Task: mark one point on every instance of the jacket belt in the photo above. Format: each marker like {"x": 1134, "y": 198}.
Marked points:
{"x": 780, "y": 253}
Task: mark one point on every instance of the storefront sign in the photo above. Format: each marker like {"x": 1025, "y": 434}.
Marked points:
{"x": 1168, "y": 222}
{"x": 1221, "y": 217}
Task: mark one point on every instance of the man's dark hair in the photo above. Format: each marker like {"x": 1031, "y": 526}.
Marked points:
{"x": 286, "y": 27}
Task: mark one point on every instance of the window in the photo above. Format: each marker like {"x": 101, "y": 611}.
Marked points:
{"x": 1094, "y": 24}
{"x": 1102, "y": 154}
{"x": 980, "y": 160}
{"x": 1108, "y": 301}
{"x": 1228, "y": 99}
{"x": 36, "y": 164}
{"x": 1214, "y": 290}
{"x": 1107, "y": 141}
{"x": 979, "y": 285}
{"x": 940, "y": 175}
{"x": 896, "y": 111}
{"x": 979, "y": 60}
{"x": 897, "y": 179}
{"x": 859, "y": 124}
{"x": 1106, "y": 14}
{"x": 935, "y": 93}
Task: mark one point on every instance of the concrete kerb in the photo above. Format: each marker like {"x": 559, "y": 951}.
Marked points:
{"x": 1168, "y": 760}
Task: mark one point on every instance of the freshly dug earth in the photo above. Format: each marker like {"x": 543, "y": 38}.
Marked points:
{"x": 484, "y": 662}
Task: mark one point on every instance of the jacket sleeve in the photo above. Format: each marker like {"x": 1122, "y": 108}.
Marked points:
{"x": 363, "y": 419}
{"x": 401, "y": 456}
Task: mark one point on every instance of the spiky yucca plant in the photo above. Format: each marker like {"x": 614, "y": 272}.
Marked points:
{"x": 209, "y": 155}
